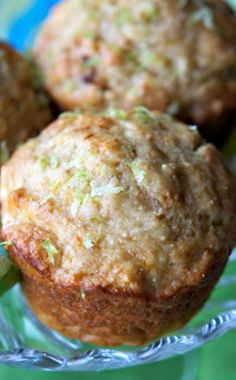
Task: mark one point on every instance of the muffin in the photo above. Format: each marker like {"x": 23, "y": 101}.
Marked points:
{"x": 24, "y": 109}
{"x": 174, "y": 56}
{"x": 121, "y": 224}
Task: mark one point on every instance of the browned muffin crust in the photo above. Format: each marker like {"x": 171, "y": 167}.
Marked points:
{"x": 107, "y": 316}
{"x": 175, "y": 56}
{"x": 121, "y": 224}
{"x": 24, "y": 109}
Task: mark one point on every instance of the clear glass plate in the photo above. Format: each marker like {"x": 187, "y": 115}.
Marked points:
{"x": 26, "y": 343}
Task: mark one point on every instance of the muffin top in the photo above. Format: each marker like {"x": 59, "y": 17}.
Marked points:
{"x": 24, "y": 109}
{"x": 128, "y": 200}
{"x": 174, "y": 55}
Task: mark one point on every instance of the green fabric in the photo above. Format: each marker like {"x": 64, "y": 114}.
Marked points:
{"x": 217, "y": 361}
{"x": 166, "y": 370}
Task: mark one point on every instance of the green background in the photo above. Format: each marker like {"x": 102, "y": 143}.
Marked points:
{"x": 214, "y": 361}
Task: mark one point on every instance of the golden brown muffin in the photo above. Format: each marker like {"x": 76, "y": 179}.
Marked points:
{"x": 24, "y": 109}
{"x": 121, "y": 225}
{"x": 174, "y": 55}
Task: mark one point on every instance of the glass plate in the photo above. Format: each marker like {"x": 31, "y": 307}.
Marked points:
{"x": 26, "y": 343}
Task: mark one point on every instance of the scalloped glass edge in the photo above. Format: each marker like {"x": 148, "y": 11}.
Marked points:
{"x": 105, "y": 359}
{"x": 73, "y": 358}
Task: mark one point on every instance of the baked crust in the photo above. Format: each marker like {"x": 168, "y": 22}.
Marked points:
{"x": 24, "y": 108}
{"x": 167, "y": 55}
{"x": 109, "y": 316}
{"x": 120, "y": 224}
{"x": 113, "y": 318}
